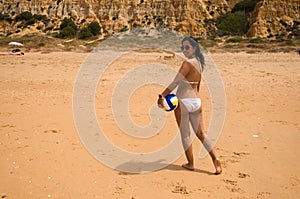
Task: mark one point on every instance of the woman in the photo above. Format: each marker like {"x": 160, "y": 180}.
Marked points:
{"x": 189, "y": 109}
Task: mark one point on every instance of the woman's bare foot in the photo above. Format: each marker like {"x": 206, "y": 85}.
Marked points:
{"x": 218, "y": 166}
{"x": 188, "y": 167}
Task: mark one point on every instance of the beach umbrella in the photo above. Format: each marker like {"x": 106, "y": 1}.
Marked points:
{"x": 13, "y": 43}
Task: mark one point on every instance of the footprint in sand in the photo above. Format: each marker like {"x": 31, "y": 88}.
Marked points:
{"x": 294, "y": 182}
{"x": 119, "y": 189}
{"x": 243, "y": 175}
{"x": 263, "y": 194}
{"x": 231, "y": 182}
{"x": 8, "y": 126}
{"x": 241, "y": 153}
{"x": 51, "y": 131}
{"x": 180, "y": 189}
{"x": 231, "y": 159}
{"x": 233, "y": 186}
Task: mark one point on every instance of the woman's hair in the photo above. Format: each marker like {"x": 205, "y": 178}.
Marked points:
{"x": 198, "y": 52}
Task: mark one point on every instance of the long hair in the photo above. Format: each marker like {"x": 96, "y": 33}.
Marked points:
{"x": 198, "y": 52}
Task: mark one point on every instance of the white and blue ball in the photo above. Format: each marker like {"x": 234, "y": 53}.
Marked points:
{"x": 170, "y": 102}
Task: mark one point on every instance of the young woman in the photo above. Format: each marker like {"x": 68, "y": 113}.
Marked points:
{"x": 189, "y": 109}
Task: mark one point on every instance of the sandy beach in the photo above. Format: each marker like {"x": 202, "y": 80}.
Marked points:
{"x": 42, "y": 156}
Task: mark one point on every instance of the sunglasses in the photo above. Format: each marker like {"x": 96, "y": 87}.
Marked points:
{"x": 185, "y": 48}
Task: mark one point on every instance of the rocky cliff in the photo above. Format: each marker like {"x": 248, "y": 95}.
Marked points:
{"x": 188, "y": 16}
{"x": 275, "y": 18}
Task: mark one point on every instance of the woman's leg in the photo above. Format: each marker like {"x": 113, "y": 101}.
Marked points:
{"x": 197, "y": 122}
{"x": 182, "y": 119}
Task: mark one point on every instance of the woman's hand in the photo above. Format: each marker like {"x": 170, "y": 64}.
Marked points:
{"x": 160, "y": 101}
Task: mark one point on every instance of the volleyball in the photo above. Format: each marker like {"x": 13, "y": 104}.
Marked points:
{"x": 170, "y": 102}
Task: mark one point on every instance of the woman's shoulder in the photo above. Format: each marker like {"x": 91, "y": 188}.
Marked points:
{"x": 186, "y": 64}
{"x": 191, "y": 62}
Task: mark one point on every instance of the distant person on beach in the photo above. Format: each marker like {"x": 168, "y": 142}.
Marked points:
{"x": 189, "y": 109}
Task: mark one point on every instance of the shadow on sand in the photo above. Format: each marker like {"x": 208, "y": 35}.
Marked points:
{"x": 136, "y": 167}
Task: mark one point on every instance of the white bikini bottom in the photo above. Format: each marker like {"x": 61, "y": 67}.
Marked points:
{"x": 191, "y": 104}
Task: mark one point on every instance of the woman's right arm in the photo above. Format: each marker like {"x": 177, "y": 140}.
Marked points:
{"x": 181, "y": 75}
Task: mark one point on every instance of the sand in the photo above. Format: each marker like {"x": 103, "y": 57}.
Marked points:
{"x": 42, "y": 156}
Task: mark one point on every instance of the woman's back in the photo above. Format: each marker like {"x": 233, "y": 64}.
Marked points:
{"x": 189, "y": 87}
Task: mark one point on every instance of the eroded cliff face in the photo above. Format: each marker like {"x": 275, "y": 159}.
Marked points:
{"x": 187, "y": 16}
{"x": 275, "y": 18}
{"x": 182, "y": 15}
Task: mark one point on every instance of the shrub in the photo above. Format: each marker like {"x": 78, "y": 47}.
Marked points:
{"x": 94, "y": 28}
{"x": 234, "y": 40}
{"x": 236, "y": 22}
{"x": 289, "y": 43}
{"x": 233, "y": 23}
{"x": 41, "y": 44}
{"x": 67, "y": 22}
{"x": 56, "y": 35}
{"x": 30, "y": 22}
{"x": 42, "y": 18}
{"x": 49, "y": 28}
{"x": 5, "y": 17}
{"x": 21, "y": 25}
{"x": 85, "y": 33}
{"x": 296, "y": 32}
{"x": 256, "y": 40}
{"x": 24, "y": 16}
{"x": 67, "y": 28}
{"x": 67, "y": 32}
